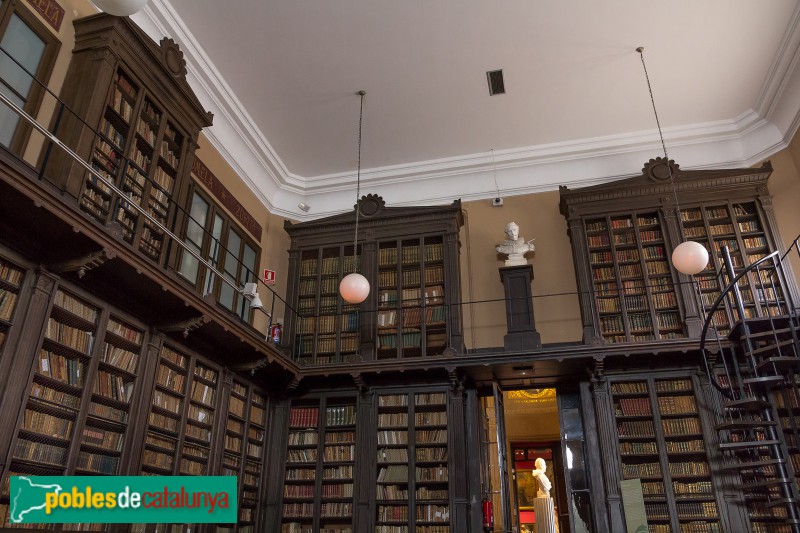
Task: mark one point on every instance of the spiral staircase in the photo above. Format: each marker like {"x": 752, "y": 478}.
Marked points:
{"x": 753, "y": 364}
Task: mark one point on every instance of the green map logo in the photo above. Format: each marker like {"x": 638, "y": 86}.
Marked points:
{"x": 28, "y": 498}
{"x": 122, "y": 499}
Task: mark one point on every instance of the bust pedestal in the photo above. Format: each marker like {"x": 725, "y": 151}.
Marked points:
{"x": 545, "y": 512}
{"x": 522, "y": 334}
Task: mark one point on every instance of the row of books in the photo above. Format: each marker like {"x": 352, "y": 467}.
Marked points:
{"x": 393, "y": 455}
{"x": 298, "y": 510}
{"x": 47, "y": 424}
{"x": 52, "y": 365}
{"x": 721, "y": 229}
{"x": 167, "y": 154}
{"x": 300, "y": 474}
{"x": 675, "y": 405}
{"x": 393, "y": 474}
{"x": 681, "y": 426}
{"x": 668, "y": 320}
{"x": 633, "y": 406}
{"x": 170, "y": 378}
{"x": 111, "y": 440}
{"x": 75, "y": 306}
{"x": 433, "y": 513}
{"x": 393, "y": 400}
{"x": 335, "y": 509}
{"x": 635, "y": 470}
{"x": 298, "y": 491}
{"x": 305, "y": 417}
{"x": 433, "y": 453}
{"x": 113, "y": 386}
{"x": 111, "y": 133}
{"x": 340, "y": 416}
{"x": 636, "y": 428}
{"x": 337, "y": 472}
{"x": 673, "y": 385}
{"x": 392, "y": 419}
{"x": 144, "y": 129}
{"x": 8, "y": 302}
{"x": 39, "y": 452}
{"x": 94, "y": 462}
{"x": 697, "y": 509}
{"x": 340, "y": 453}
{"x": 426, "y": 473}
{"x": 688, "y": 469}
{"x": 436, "y": 418}
{"x": 10, "y": 274}
{"x": 337, "y": 490}
{"x": 339, "y": 437}
{"x": 392, "y": 513}
{"x": 119, "y": 357}
{"x": 408, "y": 339}
{"x": 412, "y": 317}
{"x": 391, "y": 492}
{"x": 74, "y": 338}
{"x": 427, "y": 493}
{"x": 203, "y": 393}
{"x": 633, "y": 387}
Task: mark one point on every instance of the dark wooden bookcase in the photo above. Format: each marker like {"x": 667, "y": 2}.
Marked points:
{"x": 79, "y": 398}
{"x": 623, "y": 234}
{"x": 320, "y": 465}
{"x": 661, "y": 441}
{"x": 739, "y": 225}
{"x": 243, "y": 450}
{"x": 412, "y": 463}
{"x": 409, "y": 255}
{"x": 135, "y": 95}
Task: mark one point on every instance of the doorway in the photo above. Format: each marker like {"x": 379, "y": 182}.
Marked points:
{"x": 521, "y": 426}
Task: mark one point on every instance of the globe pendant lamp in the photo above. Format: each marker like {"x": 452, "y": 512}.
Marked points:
{"x": 689, "y": 257}
{"x": 354, "y": 288}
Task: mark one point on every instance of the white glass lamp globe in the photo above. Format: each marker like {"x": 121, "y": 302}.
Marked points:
{"x": 354, "y": 288}
{"x": 690, "y": 257}
{"x": 120, "y": 8}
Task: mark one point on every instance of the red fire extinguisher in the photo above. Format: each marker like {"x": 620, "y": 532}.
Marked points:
{"x": 488, "y": 514}
{"x": 275, "y": 333}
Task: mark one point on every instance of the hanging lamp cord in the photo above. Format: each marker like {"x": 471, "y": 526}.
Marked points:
{"x": 358, "y": 176}
{"x": 663, "y": 144}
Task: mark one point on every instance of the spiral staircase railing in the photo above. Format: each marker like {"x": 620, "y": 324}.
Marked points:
{"x": 754, "y": 369}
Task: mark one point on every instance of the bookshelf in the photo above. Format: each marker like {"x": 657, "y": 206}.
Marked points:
{"x": 327, "y": 330}
{"x": 76, "y": 413}
{"x": 181, "y": 417}
{"x": 135, "y": 128}
{"x": 661, "y": 442}
{"x": 11, "y": 277}
{"x": 144, "y": 121}
{"x": 412, "y": 481}
{"x": 410, "y": 257}
{"x": 242, "y": 454}
{"x": 411, "y": 316}
{"x": 320, "y": 465}
{"x": 739, "y": 226}
{"x": 632, "y": 281}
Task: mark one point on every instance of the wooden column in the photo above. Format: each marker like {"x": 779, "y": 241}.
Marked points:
{"x": 607, "y": 436}
{"x": 459, "y": 497}
{"x": 270, "y": 516}
{"x": 580, "y": 251}
{"x": 692, "y": 316}
{"x": 16, "y": 394}
{"x": 364, "y": 472}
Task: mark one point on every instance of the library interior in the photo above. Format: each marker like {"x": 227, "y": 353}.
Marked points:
{"x": 529, "y": 357}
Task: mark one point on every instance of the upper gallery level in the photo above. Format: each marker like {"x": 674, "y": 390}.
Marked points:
{"x": 144, "y": 210}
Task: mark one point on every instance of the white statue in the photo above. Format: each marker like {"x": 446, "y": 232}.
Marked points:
{"x": 541, "y": 479}
{"x": 515, "y": 246}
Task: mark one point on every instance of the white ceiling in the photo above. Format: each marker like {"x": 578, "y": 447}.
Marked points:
{"x": 281, "y": 77}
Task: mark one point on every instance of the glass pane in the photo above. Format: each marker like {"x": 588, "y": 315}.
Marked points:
{"x": 197, "y": 222}
{"x": 189, "y": 263}
{"x": 8, "y": 119}
{"x": 22, "y": 43}
{"x": 226, "y": 295}
{"x": 234, "y": 245}
{"x": 25, "y": 46}
{"x": 249, "y": 263}
{"x": 213, "y": 253}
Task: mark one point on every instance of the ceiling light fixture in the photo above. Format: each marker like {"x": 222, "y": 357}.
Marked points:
{"x": 689, "y": 257}
{"x": 304, "y": 207}
{"x": 120, "y": 8}
{"x": 354, "y": 287}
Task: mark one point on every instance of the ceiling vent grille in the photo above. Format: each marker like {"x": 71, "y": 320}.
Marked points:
{"x": 496, "y": 84}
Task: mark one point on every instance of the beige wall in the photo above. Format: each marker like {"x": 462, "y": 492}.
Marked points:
{"x": 784, "y": 186}
{"x": 557, "y": 318}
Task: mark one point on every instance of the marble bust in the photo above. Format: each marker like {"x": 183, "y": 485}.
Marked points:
{"x": 542, "y": 480}
{"x": 515, "y": 247}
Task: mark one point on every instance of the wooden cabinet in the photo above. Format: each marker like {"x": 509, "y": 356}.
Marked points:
{"x": 633, "y": 283}
{"x": 412, "y": 468}
{"x": 134, "y": 94}
{"x": 320, "y": 464}
{"x": 623, "y": 235}
{"x": 741, "y": 227}
{"x": 661, "y": 442}
{"x": 409, "y": 256}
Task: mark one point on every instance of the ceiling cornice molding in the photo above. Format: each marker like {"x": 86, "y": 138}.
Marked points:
{"x": 744, "y": 140}
{"x": 781, "y": 68}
